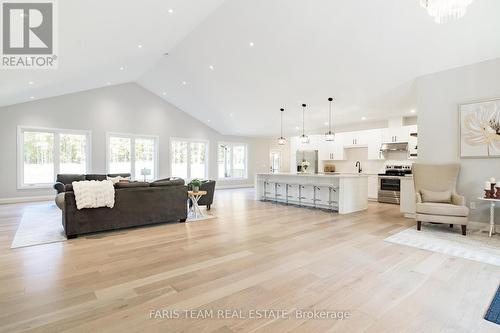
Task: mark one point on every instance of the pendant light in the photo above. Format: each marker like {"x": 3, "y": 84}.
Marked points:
{"x": 303, "y": 138}
{"x": 330, "y": 136}
{"x": 281, "y": 140}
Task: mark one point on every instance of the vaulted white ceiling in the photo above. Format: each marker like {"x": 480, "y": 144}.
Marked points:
{"x": 364, "y": 54}
{"x": 97, "y": 37}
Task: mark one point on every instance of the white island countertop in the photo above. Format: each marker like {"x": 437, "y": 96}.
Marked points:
{"x": 345, "y": 192}
{"x": 326, "y": 175}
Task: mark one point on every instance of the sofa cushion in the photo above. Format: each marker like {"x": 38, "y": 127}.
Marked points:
{"x": 439, "y": 197}
{"x": 432, "y": 208}
{"x": 118, "y": 179}
{"x": 124, "y": 175}
{"x": 171, "y": 182}
{"x": 131, "y": 184}
{"x": 95, "y": 177}
{"x": 69, "y": 178}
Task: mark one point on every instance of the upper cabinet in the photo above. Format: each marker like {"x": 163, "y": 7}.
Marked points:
{"x": 371, "y": 139}
{"x": 395, "y": 134}
{"x": 332, "y": 150}
{"x": 374, "y": 142}
{"x": 355, "y": 139}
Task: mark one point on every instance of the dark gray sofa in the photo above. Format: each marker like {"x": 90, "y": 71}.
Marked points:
{"x": 136, "y": 204}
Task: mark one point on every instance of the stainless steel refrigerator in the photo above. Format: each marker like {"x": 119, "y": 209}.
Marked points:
{"x": 310, "y": 156}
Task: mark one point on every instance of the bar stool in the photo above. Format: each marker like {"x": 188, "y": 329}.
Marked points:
{"x": 315, "y": 199}
{"x": 331, "y": 188}
{"x": 266, "y": 184}
{"x": 276, "y": 194}
{"x": 288, "y": 185}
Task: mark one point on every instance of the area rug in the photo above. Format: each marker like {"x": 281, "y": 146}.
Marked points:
{"x": 40, "y": 224}
{"x": 493, "y": 313}
{"x": 440, "y": 238}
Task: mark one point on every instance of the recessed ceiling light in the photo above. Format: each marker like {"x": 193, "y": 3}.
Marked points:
{"x": 108, "y": 83}
{"x": 297, "y": 127}
{"x": 208, "y": 120}
{"x": 164, "y": 93}
{"x": 122, "y": 68}
{"x": 412, "y": 111}
{"x": 230, "y": 115}
{"x": 363, "y": 118}
{"x": 184, "y": 83}
{"x": 32, "y": 97}
{"x": 31, "y": 83}
{"x": 211, "y": 67}
{"x": 251, "y": 44}
{"x": 326, "y": 123}
{"x": 170, "y": 11}
{"x": 139, "y": 46}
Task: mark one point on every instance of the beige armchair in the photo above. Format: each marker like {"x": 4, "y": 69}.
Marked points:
{"x": 437, "y": 199}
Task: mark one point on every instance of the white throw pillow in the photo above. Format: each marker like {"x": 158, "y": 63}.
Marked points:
{"x": 439, "y": 197}
{"x": 117, "y": 179}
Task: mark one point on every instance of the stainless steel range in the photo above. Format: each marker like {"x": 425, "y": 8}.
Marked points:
{"x": 389, "y": 183}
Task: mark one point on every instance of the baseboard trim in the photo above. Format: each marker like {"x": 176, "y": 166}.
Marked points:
{"x": 224, "y": 187}
{"x": 7, "y": 201}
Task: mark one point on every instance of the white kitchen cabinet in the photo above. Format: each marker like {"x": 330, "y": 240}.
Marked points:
{"x": 373, "y": 187}
{"x": 355, "y": 139}
{"x": 332, "y": 150}
{"x": 395, "y": 134}
{"x": 374, "y": 138}
{"x": 407, "y": 205}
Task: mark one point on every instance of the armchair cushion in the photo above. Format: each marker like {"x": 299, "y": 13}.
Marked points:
{"x": 458, "y": 200}
{"x": 431, "y": 208}
{"x": 433, "y": 196}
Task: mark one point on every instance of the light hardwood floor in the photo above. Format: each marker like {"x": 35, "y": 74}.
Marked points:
{"x": 254, "y": 255}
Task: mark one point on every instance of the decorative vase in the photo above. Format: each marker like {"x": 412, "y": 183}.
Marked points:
{"x": 196, "y": 188}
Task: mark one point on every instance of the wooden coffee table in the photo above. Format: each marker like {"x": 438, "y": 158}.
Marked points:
{"x": 195, "y": 209}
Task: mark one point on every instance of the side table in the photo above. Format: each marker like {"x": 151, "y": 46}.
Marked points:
{"x": 195, "y": 210}
{"x": 492, "y": 213}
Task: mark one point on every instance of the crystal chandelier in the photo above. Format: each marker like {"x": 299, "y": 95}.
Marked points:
{"x": 330, "y": 136}
{"x": 446, "y": 10}
{"x": 281, "y": 139}
{"x": 303, "y": 138}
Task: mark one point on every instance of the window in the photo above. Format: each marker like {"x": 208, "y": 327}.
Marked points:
{"x": 275, "y": 161}
{"x": 189, "y": 158}
{"x": 43, "y": 153}
{"x": 134, "y": 154}
{"x": 232, "y": 160}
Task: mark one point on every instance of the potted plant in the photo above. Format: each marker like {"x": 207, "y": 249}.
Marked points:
{"x": 195, "y": 184}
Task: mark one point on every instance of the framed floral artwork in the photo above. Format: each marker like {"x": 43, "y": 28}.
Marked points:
{"x": 480, "y": 129}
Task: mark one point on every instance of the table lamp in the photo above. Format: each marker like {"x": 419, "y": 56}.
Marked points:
{"x": 145, "y": 172}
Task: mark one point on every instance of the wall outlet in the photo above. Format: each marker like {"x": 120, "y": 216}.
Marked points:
{"x": 472, "y": 205}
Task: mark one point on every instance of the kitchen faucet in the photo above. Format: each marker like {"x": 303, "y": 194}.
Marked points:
{"x": 358, "y": 165}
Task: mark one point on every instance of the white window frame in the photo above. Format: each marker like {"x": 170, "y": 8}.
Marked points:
{"x": 132, "y": 138}
{"x": 275, "y": 151}
{"x": 207, "y": 155}
{"x": 232, "y": 144}
{"x": 57, "y": 132}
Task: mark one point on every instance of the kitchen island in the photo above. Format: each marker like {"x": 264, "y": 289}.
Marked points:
{"x": 345, "y": 193}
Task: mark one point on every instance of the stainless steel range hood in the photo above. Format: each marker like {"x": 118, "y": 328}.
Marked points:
{"x": 399, "y": 146}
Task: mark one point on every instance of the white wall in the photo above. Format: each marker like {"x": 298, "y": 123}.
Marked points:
{"x": 438, "y": 124}
{"x": 126, "y": 108}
